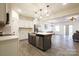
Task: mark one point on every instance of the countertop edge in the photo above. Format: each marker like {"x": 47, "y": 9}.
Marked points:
{"x": 4, "y": 38}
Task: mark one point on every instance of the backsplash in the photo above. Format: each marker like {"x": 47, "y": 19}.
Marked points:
{"x": 6, "y": 29}
{"x": 1, "y": 29}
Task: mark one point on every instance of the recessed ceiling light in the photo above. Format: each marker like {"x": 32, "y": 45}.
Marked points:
{"x": 64, "y": 3}
{"x": 45, "y": 11}
{"x": 19, "y": 10}
{"x": 40, "y": 16}
{"x": 47, "y": 14}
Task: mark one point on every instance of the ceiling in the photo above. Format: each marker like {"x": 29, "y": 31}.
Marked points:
{"x": 29, "y": 9}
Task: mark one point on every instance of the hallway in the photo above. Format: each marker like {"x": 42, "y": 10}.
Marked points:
{"x": 61, "y": 46}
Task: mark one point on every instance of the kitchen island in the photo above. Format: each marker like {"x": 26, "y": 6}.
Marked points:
{"x": 9, "y": 45}
{"x": 40, "y": 40}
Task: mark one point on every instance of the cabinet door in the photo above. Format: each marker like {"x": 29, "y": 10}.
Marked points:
{"x": 32, "y": 39}
{"x": 2, "y": 14}
{"x": 39, "y": 42}
{"x": 9, "y": 47}
{"x": 47, "y": 42}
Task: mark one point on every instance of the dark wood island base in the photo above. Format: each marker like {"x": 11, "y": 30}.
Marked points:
{"x": 40, "y": 40}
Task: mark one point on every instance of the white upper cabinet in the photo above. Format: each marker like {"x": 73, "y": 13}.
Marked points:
{"x": 2, "y": 14}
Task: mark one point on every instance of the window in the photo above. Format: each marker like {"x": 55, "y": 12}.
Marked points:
{"x": 57, "y": 28}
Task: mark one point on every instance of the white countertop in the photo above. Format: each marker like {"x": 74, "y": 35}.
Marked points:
{"x": 3, "y": 38}
{"x": 44, "y": 33}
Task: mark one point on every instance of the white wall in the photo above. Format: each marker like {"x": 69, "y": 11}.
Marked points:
{"x": 76, "y": 26}
{"x": 14, "y": 22}
{"x": 25, "y": 23}
{"x": 25, "y": 26}
{"x": 61, "y": 29}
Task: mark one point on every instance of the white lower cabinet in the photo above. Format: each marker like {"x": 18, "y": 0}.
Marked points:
{"x": 9, "y": 47}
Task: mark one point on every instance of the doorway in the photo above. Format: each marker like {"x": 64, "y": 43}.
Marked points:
{"x": 68, "y": 30}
